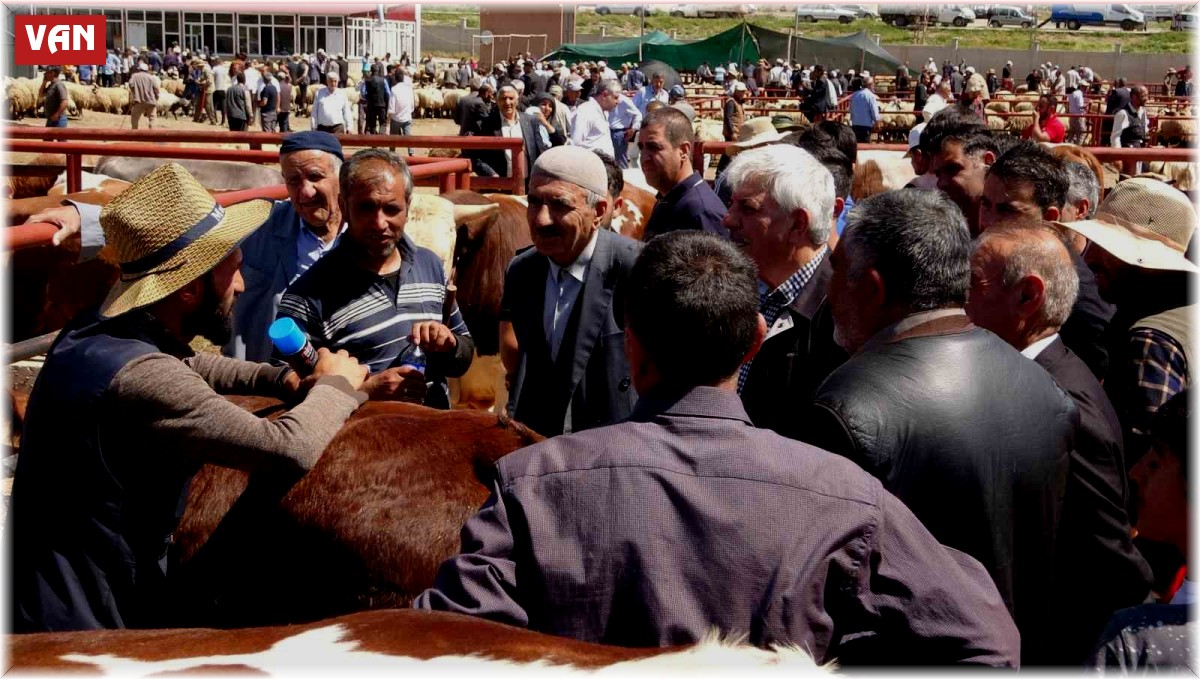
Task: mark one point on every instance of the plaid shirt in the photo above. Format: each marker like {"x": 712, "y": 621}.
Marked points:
{"x": 772, "y": 303}
{"x": 1160, "y": 371}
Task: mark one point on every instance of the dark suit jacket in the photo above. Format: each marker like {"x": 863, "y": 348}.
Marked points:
{"x": 474, "y": 110}
{"x": 530, "y": 132}
{"x": 589, "y": 385}
{"x": 1084, "y": 333}
{"x": 792, "y": 363}
{"x": 1097, "y": 568}
{"x": 652, "y": 531}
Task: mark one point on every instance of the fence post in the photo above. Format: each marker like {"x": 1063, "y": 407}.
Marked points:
{"x": 74, "y": 172}
{"x": 519, "y": 170}
{"x": 447, "y": 183}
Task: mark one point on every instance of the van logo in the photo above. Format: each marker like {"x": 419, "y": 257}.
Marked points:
{"x": 59, "y": 40}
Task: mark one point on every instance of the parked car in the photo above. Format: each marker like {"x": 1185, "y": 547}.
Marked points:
{"x": 701, "y": 11}
{"x": 813, "y": 13}
{"x": 1075, "y": 16}
{"x": 637, "y": 10}
{"x": 1185, "y": 21}
{"x": 1004, "y": 15}
{"x": 860, "y": 11}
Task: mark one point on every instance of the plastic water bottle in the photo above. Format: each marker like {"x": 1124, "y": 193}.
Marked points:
{"x": 293, "y": 345}
{"x": 413, "y": 357}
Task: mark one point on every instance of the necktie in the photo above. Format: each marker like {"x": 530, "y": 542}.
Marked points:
{"x": 559, "y": 322}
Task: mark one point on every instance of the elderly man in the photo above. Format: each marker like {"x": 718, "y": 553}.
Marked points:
{"x": 1029, "y": 182}
{"x": 864, "y": 111}
{"x": 1139, "y": 238}
{"x": 960, "y": 150}
{"x": 92, "y": 517}
{"x": 686, "y": 201}
{"x": 507, "y": 120}
{"x": 1022, "y": 288}
{"x": 331, "y": 109}
{"x": 380, "y": 296}
{"x": 781, "y": 215}
{"x": 651, "y": 532}
{"x": 968, "y": 433}
{"x": 624, "y": 120}
{"x": 143, "y": 97}
{"x": 560, "y": 336}
{"x": 589, "y": 127}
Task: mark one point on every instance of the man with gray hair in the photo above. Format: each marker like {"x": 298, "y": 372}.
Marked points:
{"x": 1023, "y": 286}
{"x": 781, "y": 215}
{"x": 589, "y": 128}
{"x": 1083, "y": 194}
{"x": 560, "y": 319}
{"x": 966, "y": 431}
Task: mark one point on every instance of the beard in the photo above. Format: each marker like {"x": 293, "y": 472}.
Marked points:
{"x": 210, "y": 321}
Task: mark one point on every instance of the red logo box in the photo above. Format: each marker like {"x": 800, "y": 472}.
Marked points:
{"x": 59, "y": 40}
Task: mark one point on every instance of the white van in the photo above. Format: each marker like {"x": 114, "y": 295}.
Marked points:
{"x": 1006, "y": 15}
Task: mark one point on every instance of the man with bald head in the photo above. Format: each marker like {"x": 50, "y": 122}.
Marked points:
{"x": 561, "y": 338}
{"x": 1023, "y": 285}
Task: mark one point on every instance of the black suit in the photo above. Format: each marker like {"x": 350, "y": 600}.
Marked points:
{"x": 794, "y": 361}
{"x": 1086, "y": 328}
{"x": 1097, "y": 569}
{"x": 589, "y": 385}
{"x": 472, "y": 113}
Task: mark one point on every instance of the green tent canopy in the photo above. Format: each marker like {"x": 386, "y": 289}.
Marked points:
{"x": 616, "y": 52}
{"x": 736, "y": 44}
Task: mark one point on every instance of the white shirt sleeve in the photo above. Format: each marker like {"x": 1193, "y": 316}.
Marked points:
{"x": 1120, "y": 122}
{"x": 347, "y": 115}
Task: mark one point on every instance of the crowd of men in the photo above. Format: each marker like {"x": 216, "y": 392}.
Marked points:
{"x": 896, "y": 432}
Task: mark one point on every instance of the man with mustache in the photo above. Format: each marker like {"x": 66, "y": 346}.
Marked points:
{"x": 100, "y": 497}
{"x": 561, "y": 340}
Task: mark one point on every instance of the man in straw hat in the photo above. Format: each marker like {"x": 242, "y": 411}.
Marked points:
{"x": 1137, "y": 244}
{"x": 377, "y": 294}
{"x": 559, "y": 298}
{"x": 651, "y": 532}
{"x": 686, "y": 201}
{"x": 782, "y": 215}
{"x": 99, "y": 499}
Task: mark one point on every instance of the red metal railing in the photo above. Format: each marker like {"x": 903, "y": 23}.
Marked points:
{"x": 448, "y": 172}
{"x": 255, "y": 141}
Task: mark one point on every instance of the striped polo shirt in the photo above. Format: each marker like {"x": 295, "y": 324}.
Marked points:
{"x": 343, "y": 306}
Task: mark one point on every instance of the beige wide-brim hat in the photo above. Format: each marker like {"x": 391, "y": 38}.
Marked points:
{"x": 754, "y": 133}
{"x": 1132, "y": 244}
{"x": 167, "y": 231}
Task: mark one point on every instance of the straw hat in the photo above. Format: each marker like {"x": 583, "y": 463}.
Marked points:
{"x": 755, "y": 132}
{"x": 1145, "y": 223}
{"x": 167, "y": 231}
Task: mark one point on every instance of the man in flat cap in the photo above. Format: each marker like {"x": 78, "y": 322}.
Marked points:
{"x": 559, "y": 324}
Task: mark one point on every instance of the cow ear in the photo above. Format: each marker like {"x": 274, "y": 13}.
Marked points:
{"x": 476, "y": 218}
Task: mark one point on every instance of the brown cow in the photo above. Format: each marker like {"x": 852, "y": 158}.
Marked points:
{"x": 632, "y": 211}
{"x": 366, "y": 528}
{"x": 396, "y": 642}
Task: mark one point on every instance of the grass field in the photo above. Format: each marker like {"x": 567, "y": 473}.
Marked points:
{"x": 1149, "y": 42}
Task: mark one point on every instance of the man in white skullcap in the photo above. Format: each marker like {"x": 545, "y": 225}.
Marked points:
{"x": 559, "y": 297}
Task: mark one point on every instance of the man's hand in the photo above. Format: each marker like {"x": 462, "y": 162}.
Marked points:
{"x": 66, "y": 218}
{"x": 433, "y": 337}
{"x": 630, "y": 134}
{"x": 341, "y": 363}
{"x": 403, "y": 383}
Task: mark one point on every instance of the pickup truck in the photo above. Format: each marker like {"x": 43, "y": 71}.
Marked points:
{"x": 903, "y": 15}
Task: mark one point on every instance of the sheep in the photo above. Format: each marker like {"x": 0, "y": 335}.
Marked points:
{"x": 167, "y": 103}
{"x": 173, "y": 85}
{"x": 451, "y": 99}
{"x": 82, "y": 96}
{"x": 21, "y": 100}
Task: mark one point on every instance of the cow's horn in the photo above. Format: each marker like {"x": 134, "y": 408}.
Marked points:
{"x": 463, "y": 213}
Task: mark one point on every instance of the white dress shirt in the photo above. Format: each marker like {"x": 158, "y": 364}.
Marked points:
{"x": 1033, "y": 350}
{"x": 400, "y": 106}
{"x": 332, "y": 108}
{"x": 625, "y": 115}
{"x": 512, "y": 130}
{"x": 1123, "y": 120}
{"x": 589, "y": 129}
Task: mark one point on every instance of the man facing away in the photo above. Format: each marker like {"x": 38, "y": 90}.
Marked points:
{"x": 653, "y": 531}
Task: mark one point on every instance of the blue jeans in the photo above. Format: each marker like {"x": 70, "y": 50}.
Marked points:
{"x": 61, "y": 122}
{"x": 620, "y": 148}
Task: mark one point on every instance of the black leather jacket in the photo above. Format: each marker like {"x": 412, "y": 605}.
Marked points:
{"x": 973, "y": 437}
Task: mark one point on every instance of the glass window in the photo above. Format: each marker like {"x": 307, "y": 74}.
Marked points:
{"x": 135, "y": 16}
{"x": 208, "y": 17}
{"x": 154, "y": 35}
{"x": 285, "y": 40}
{"x": 266, "y": 41}
{"x": 248, "y": 18}
{"x": 172, "y": 21}
{"x": 248, "y": 39}
{"x": 307, "y": 20}
{"x": 191, "y": 17}
{"x": 113, "y": 13}
{"x": 224, "y": 18}
{"x": 225, "y": 39}
{"x": 154, "y": 16}
{"x": 335, "y": 21}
